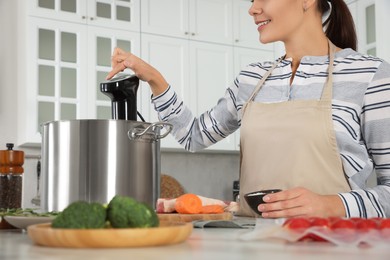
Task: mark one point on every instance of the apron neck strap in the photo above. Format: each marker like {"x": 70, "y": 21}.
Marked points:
{"x": 327, "y": 90}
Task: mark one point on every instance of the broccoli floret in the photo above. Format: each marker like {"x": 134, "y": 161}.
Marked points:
{"x": 81, "y": 215}
{"x": 125, "y": 212}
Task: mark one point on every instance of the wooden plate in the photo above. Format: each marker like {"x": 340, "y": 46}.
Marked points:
{"x": 175, "y": 217}
{"x": 167, "y": 233}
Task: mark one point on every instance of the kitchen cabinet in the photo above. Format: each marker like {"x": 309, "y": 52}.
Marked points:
{"x": 382, "y": 21}
{"x": 371, "y": 19}
{"x": 198, "y": 71}
{"x": 123, "y": 14}
{"x": 218, "y": 21}
{"x": 66, "y": 62}
{"x": 201, "y": 20}
{"x": 70, "y": 44}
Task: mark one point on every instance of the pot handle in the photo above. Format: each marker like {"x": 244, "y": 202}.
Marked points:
{"x": 133, "y": 134}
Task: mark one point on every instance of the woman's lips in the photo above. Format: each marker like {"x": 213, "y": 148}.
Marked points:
{"x": 261, "y": 24}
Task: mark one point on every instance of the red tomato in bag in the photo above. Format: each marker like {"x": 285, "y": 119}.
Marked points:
{"x": 343, "y": 224}
{"x": 366, "y": 224}
{"x": 384, "y": 223}
{"x": 356, "y": 219}
{"x": 297, "y": 223}
{"x": 319, "y": 222}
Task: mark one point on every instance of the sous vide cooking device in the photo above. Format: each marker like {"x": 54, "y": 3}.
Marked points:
{"x": 123, "y": 93}
{"x": 94, "y": 160}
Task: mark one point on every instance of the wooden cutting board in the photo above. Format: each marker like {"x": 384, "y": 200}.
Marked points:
{"x": 166, "y": 234}
{"x": 175, "y": 217}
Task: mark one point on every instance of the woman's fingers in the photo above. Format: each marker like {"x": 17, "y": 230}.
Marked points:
{"x": 288, "y": 203}
{"x": 284, "y": 195}
{"x": 121, "y": 60}
{"x": 118, "y": 62}
{"x": 278, "y": 205}
{"x": 114, "y": 58}
{"x": 118, "y": 68}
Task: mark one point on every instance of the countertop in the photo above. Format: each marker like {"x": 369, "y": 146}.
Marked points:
{"x": 207, "y": 243}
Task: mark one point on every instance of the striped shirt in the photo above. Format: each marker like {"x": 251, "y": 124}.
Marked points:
{"x": 360, "y": 110}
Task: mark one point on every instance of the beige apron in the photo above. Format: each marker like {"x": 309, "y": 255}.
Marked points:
{"x": 290, "y": 144}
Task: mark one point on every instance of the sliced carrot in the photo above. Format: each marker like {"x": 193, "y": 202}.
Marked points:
{"x": 212, "y": 209}
{"x": 188, "y": 204}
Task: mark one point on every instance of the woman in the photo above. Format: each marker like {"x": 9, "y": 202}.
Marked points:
{"x": 314, "y": 123}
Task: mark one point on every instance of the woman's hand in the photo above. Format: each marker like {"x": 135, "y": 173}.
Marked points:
{"x": 301, "y": 202}
{"x": 121, "y": 60}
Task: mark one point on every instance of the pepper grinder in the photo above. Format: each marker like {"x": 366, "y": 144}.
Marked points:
{"x": 11, "y": 173}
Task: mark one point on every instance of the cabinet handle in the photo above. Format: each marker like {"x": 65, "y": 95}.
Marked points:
{"x": 185, "y": 33}
{"x": 83, "y": 17}
{"x": 91, "y": 18}
{"x": 237, "y": 40}
{"x": 193, "y": 34}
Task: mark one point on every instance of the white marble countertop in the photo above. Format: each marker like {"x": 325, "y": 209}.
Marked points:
{"x": 208, "y": 243}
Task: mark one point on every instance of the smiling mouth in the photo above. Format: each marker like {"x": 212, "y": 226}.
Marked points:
{"x": 263, "y": 23}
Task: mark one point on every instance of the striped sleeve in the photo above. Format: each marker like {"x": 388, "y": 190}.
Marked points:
{"x": 375, "y": 125}
{"x": 197, "y": 133}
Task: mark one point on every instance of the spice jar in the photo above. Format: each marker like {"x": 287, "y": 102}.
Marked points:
{"x": 11, "y": 173}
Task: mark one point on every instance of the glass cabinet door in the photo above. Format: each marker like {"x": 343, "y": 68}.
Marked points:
{"x": 370, "y": 29}
{"x": 118, "y": 14}
{"x": 57, "y": 75}
{"x": 64, "y": 10}
{"x": 366, "y": 27}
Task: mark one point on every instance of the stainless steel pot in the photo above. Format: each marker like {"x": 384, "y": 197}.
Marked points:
{"x": 94, "y": 160}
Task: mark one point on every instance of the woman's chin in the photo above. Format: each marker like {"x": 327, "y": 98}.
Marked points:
{"x": 265, "y": 40}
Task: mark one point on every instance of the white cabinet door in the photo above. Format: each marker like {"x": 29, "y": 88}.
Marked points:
{"x": 211, "y": 21}
{"x": 171, "y": 57}
{"x": 165, "y": 17}
{"x": 245, "y": 29}
{"x": 211, "y": 73}
{"x": 202, "y": 20}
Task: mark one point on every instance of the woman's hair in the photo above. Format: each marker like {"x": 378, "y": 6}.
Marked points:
{"x": 340, "y": 28}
